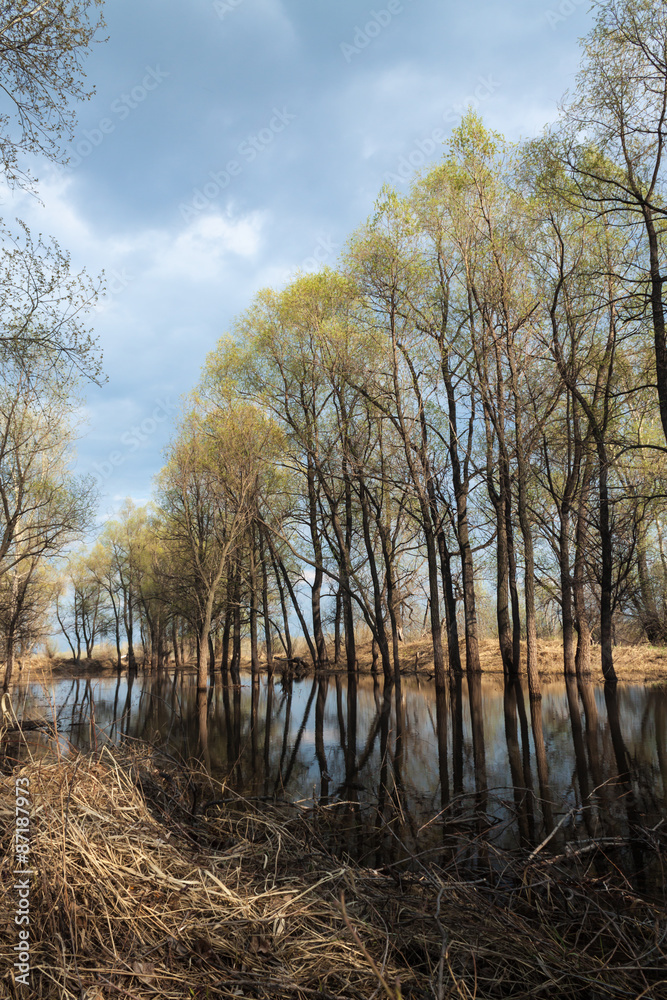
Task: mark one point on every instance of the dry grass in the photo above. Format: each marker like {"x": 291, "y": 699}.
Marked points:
{"x": 146, "y": 888}
{"x": 641, "y": 663}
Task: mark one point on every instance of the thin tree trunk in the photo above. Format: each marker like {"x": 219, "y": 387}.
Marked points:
{"x": 174, "y": 639}
{"x": 583, "y": 654}
{"x": 453, "y": 651}
{"x": 606, "y": 635}
{"x": 337, "y": 618}
{"x": 9, "y": 654}
{"x": 211, "y": 659}
{"x": 236, "y": 627}
{"x": 461, "y": 486}
{"x": 316, "y": 590}
{"x": 511, "y": 565}
{"x": 529, "y": 587}
{"x": 265, "y": 607}
{"x": 656, "y": 271}
{"x": 295, "y": 604}
{"x": 566, "y": 592}
{"x": 226, "y": 632}
{"x": 254, "y": 645}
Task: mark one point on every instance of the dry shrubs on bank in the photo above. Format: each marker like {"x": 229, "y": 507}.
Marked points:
{"x": 147, "y": 889}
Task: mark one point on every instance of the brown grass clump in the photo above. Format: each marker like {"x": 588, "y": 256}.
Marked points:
{"x": 149, "y": 886}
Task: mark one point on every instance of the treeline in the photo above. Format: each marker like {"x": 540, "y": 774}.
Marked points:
{"x": 473, "y": 390}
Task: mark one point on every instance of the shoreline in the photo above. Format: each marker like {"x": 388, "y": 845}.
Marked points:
{"x": 640, "y": 664}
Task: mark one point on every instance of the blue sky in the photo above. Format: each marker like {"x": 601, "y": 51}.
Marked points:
{"x": 232, "y": 142}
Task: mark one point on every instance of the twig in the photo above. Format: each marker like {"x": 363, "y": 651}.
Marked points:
{"x": 385, "y": 985}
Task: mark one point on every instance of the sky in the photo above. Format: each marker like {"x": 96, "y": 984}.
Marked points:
{"x": 231, "y": 143}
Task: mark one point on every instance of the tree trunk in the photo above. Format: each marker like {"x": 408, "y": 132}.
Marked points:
{"x": 211, "y": 659}
{"x": 254, "y": 645}
{"x": 289, "y": 652}
{"x": 566, "y": 592}
{"x": 606, "y": 582}
{"x": 379, "y": 631}
{"x": 460, "y": 484}
{"x": 453, "y": 651}
{"x": 265, "y": 607}
{"x": 502, "y": 589}
{"x": 337, "y": 618}
{"x": 318, "y": 634}
{"x": 9, "y": 653}
{"x": 583, "y": 654}
{"x": 529, "y": 587}
{"x": 511, "y": 565}
{"x": 295, "y": 604}
{"x": 226, "y": 632}
{"x": 174, "y": 639}
{"x": 434, "y": 594}
{"x": 129, "y": 631}
{"x": 658, "y": 315}
{"x": 235, "y": 668}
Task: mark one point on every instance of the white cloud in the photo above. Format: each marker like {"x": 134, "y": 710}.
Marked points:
{"x": 198, "y": 252}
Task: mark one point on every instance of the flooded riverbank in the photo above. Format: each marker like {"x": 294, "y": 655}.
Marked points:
{"x": 388, "y": 772}
{"x": 136, "y": 891}
{"x": 321, "y": 837}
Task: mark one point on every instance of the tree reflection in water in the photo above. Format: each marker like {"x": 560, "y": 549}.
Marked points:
{"x": 390, "y": 769}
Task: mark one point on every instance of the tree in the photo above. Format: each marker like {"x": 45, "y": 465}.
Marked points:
{"x": 612, "y": 138}
{"x": 207, "y": 493}
{"x": 43, "y": 337}
{"x": 26, "y": 596}
{"x": 43, "y": 506}
{"x": 86, "y": 619}
{"x": 42, "y": 46}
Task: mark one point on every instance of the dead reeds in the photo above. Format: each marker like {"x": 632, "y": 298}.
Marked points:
{"x": 154, "y": 881}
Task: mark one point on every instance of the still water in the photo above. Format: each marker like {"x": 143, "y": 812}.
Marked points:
{"x": 394, "y": 772}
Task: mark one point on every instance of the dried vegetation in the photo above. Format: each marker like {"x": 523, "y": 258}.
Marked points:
{"x": 152, "y": 881}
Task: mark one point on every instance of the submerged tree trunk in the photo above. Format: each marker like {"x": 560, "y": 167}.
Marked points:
{"x": 235, "y": 668}
{"x": 502, "y": 586}
{"x": 451, "y": 624}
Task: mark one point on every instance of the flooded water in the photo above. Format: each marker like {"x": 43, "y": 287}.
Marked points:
{"x": 386, "y": 773}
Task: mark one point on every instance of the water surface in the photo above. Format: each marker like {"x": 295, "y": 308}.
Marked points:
{"x": 385, "y": 772}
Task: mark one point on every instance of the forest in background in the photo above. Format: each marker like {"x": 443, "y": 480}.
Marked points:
{"x": 473, "y": 403}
